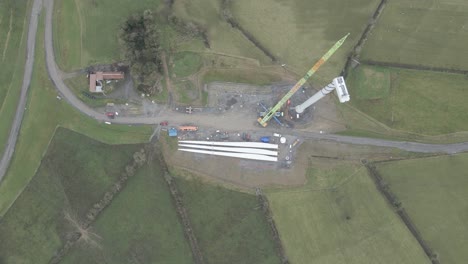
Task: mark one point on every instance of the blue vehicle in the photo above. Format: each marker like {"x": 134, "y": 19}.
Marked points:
{"x": 265, "y": 139}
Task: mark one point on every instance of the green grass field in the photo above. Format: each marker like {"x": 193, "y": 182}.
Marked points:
{"x": 186, "y": 64}
{"x": 421, "y": 32}
{"x": 43, "y": 115}
{"x": 13, "y": 29}
{"x": 299, "y": 32}
{"x": 85, "y": 32}
{"x": 75, "y": 173}
{"x": 186, "y": 91}
{"x": 370, "y": 83}
{"x": 433, "y": 192}
{"x": 251, "y": 76}
{"x": 340, "y": 217}
{"x": 222, "y": 37}
{"x": 229, "y": 225}
{"x": 140, "y": 226}
{"x": 426, "y": 103}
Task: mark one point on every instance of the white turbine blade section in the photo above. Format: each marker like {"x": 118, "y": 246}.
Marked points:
{"x": 233, "y": 149}
{"x": 235, "y": 155}
{"x": 233, "y": 144}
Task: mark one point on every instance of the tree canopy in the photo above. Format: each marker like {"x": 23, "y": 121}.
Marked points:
{"x": 140, "y": 37}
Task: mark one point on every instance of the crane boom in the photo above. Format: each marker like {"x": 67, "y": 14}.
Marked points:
{"x": 264, "y": 121}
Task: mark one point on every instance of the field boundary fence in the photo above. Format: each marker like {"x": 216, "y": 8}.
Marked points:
{"x": 271, "y": 222}
{"x": 353, "y": 58}
{"x": 139, "y": 159}
{"x": 393, "y": 200}
{"x": 182, "y": 213}
{"x": 413, "y": 67}
{"x": 227, "y": 15}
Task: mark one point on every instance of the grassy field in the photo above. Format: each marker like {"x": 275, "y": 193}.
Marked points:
{"x": 421, "y": 32}
{"x": 340, "y": 217}
{"x": 43, "y": 115}
{"x": 229, "y": 225}
{"x": 140, "y": 226}
{"x": 13, "y": 29}
{"x": 433, "y": 192}
{"x": 186, "y": 64}
{"x": 85, "y": 32}
{"x": 222, "y": 37}
{"x": 73, "y": 175}
{"x": 421, "y": 102}
{"x": 251, "y": 76}
{"x": 370, "y": 83}
{"x": 299, "y": 32}
{"x": 186, "y": 91}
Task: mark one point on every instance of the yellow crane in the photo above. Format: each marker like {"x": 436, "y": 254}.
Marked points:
{"x": 264, "y": 121}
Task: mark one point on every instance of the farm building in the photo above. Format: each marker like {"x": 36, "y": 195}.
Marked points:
{"x": 95, "y": 80}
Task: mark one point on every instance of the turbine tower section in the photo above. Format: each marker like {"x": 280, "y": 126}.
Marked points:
{"x": 338, "y": 84}
{"x": 264, "y": 120}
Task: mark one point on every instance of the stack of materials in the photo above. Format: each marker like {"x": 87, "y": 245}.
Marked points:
{"x": 242, "y": 150}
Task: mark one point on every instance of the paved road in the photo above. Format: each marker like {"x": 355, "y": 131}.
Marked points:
{"x": 219, "y": 121}
{"x": 28, "y": 68}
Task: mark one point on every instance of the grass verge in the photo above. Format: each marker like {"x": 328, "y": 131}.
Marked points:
{"x": 13, "y": 29}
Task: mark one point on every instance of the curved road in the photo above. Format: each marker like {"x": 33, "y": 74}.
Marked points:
{"x": 28, "y": 68}
{"x": 204, "y": 120}
{"x": 221, "y": 121}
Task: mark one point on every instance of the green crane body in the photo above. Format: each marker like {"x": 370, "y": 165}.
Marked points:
{"x": 264, "y": 121}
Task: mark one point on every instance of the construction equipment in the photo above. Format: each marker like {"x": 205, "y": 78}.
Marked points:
{"x": 188, "y": 128}
{"x": 264, "y": 121}
{"x": 275, "y": 115}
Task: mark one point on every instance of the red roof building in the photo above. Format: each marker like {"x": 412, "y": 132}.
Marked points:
{"x": 95, "y": 79}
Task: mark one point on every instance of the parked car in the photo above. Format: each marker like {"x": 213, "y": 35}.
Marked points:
{"x": 164, "y": 123}
{"x": 111, "y": 115}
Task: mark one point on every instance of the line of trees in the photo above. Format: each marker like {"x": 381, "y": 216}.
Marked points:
{"x": 144, "y": 36}
{"x": 140, "y": 37}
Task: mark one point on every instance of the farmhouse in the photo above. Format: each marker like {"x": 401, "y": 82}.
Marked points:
{"x": 95, "y": 79}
